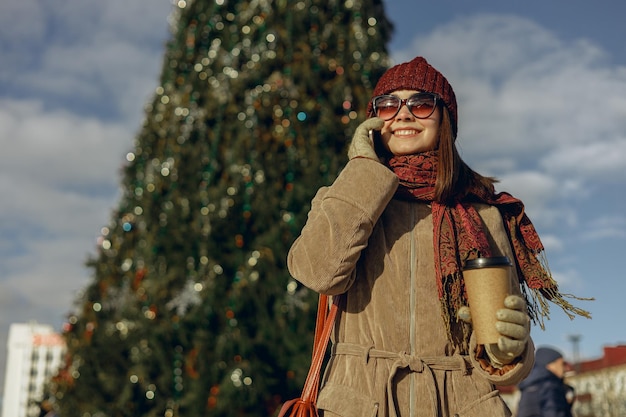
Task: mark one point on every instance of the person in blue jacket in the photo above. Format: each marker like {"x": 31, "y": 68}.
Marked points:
{"x": 544, "y": 393}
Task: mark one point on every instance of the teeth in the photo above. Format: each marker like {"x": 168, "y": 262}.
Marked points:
{"x": 405, "y": 132}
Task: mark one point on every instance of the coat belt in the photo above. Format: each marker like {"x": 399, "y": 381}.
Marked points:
{"x": 424, "y": 366}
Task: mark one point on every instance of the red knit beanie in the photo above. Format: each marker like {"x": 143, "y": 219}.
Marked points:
{"x": 417, "y": 74}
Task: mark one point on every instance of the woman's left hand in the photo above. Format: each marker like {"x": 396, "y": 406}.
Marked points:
{"x": 514, "y": 326}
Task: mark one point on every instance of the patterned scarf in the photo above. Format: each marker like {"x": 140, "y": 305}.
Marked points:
{"x": 458, "y": 236}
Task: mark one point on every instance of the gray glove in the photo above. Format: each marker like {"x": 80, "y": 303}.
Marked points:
{"x": 514, "y": 326}
{"x": 361, "y": 145}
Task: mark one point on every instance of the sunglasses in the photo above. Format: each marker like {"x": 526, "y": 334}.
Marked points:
{"x": 421, "y": 105}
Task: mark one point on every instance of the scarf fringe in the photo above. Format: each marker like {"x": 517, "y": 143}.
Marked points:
{"x": 539, "y": 308}
{"x": 452, "y": 299}
{"x": 537, "y": 298}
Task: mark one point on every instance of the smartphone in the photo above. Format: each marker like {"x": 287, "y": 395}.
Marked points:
{"x": 376, "y": 139}
{"x": 374, "y": 135}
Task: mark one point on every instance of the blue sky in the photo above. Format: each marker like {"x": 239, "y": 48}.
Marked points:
{"x": 541, "y": 88}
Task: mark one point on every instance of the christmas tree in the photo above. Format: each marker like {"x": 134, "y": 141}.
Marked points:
{"x": 191, "y": 310}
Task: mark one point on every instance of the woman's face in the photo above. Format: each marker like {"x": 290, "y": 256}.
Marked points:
{"x": 405, "y": 134}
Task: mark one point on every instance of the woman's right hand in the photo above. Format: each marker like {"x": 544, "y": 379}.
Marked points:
{"x": 361, "y": 145}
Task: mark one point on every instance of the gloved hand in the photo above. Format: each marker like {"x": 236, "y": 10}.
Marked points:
{"x": 513, "y": 324}
{"x": 361, "y": 144}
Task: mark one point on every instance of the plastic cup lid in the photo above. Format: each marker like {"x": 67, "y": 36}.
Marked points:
{"x": 487, "y": 262}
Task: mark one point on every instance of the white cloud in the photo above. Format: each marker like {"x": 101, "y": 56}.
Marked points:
{"x": 523, "y": 91}
{"x": 13, "y": 16}
{"x": 600, "y": 159}
{"x": 606, "y": 227}
{"x": 59, "y": 148}
{"x": 92, "y": 57}
{"x": 552, "y": 244}
{"x": 43, "y": 276}
{"x": 545, "y": 116}
{"x": 569, "y": 280}
{"x": 534, "y": 187}
{"x": 542, "y": 195}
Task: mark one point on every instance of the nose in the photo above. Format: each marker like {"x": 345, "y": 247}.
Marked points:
{"x": 404, "y": 113}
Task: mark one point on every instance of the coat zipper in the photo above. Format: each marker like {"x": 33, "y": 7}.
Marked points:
{"x": 413, "y": 307}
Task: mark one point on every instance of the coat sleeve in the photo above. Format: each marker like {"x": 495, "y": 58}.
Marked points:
{"x": 339, "y": 225}
{"x": 553, "y": 400}
{"x": 511, "y": 374}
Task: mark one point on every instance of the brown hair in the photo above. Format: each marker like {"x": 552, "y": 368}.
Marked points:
{"x": 455, "y": 179}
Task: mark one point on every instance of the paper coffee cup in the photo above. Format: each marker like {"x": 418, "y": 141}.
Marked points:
{"x": 487, "y": 283}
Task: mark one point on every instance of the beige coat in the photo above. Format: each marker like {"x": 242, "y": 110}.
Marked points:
{"x": 391, "y": 356}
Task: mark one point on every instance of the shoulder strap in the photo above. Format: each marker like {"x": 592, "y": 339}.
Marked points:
{"x": 323, "y": 326}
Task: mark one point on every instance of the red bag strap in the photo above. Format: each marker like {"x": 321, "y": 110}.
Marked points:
{"x": 323, "y": 326}
{"x": 304, "y": 406}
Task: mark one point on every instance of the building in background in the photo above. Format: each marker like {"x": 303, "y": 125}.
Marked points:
{"x": 35, "y": 353}
{"x": 600, "y": 385}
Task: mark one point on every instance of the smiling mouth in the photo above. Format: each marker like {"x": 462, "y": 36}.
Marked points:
{"x": 405, "y": 132}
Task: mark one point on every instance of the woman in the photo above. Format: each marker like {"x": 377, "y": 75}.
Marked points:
{"x": 392, "y": 234}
